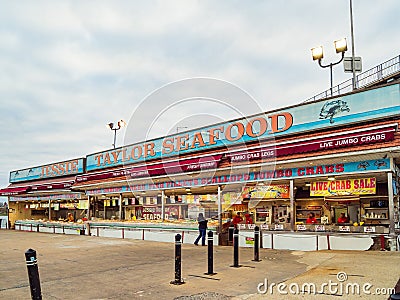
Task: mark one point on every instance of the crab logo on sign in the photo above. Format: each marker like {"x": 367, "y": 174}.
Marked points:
{"x": 332, "y": 108}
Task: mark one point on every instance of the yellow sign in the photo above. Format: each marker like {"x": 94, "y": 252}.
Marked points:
{"x": 346, "y": 187}
{"x": 270, "y": 192}
{"x": 83, "y": 204}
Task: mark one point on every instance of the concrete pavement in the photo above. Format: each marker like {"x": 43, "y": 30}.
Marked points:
{"x": 83, "y": 267}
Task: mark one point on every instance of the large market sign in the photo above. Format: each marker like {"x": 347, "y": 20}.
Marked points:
{"x": 301, "y": 172}
{"x": 377, "y": 103}
{"x": 346, "y": 187}
{"x": 58, "y": 169}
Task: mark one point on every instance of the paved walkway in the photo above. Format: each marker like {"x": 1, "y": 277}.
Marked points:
{"x": 82, "y": 267}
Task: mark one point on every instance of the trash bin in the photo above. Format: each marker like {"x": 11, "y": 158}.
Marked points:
{"x": 395, "y": 296}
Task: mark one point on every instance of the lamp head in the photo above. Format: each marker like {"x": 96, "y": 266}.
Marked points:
{"x": 341, "y": 45}
{"x": 121, "y": 123}
{"x": 317, "y": 53}
{"x": 111, "y": 125}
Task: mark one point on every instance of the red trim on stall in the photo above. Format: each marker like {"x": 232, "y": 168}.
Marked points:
{"x": 158, "y": 169}
{"x": 10, "y": 191}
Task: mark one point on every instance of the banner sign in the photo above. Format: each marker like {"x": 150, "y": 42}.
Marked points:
{"x": 376, "y": 104}
{"x": 268, "y": 192}
{"x": 301, "y": 172}
{"x": 360, "y": 137}
{"x": 344, "y": 187}
{"x": 68, "y": 196}
{"x": 58, "y": 169}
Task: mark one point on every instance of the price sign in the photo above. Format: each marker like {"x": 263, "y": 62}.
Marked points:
{"x": 264, "y": 226}
{"x": 369, "y": 229}
{"x": 249, "y": 241}
{"x": 278, "y": 226}
{"x": 344, "y": 228}
{"x": 319, "y": 228}
{"x": 301, "y": 227}
{"x": 251, "y": 226}
{"x": 241, "y": 226}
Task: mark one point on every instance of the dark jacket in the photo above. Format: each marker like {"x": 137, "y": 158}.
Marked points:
{"x": 203, "y": 224}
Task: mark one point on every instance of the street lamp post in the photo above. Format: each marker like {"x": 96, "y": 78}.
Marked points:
{"x": 318, "y": 54}
{"x": 115, "y": 127}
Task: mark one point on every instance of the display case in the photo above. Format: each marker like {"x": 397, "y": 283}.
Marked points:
{"x": 375, "y": 215}
{"x": 263, "y": 215}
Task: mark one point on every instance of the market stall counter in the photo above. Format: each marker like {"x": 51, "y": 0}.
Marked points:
{"x": 50, "y": 227}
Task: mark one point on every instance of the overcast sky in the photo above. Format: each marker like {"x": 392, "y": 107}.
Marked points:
{"x": 67, "y": 68}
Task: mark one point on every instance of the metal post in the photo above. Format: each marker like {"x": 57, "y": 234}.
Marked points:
{"x": 219, "y": 210}
{"x": 33, "y": 274}
{"x": 256, "y": 244}
{"x": 391, "y": 202}
{"x": 352, "y": 46}
{"x": 178, "y": 272}
{"x": 331, "y": 68}
{"x": 115, "y": 137}
{"x": 236, "y": 248}
{"x": 291, "y": 191}
{"x": 210, "y": 241}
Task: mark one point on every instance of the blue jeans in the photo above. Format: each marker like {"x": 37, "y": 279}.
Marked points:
{"x": 202, "y": 235}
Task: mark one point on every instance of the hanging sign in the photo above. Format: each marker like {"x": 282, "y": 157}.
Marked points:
{"x": 345, "y": 187}
{"x": 269, "y": 192}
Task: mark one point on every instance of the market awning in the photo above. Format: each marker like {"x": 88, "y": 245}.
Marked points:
{"x": 10, "y": 191}
{"x": 333, "y": 141}
{"x": 52, "y": 186}
{"x": 157, "y": 169}
{"x": 39, "y": 186}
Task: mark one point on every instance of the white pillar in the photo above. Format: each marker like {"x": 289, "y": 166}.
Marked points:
{"x": 219, "y": 209}
{"x": 120, "y": 206}
{"x": 292, "y": 216}
{"x": 391, "y": 203}
{"x": 49, "y": 210}
{"x": 104, "y": 205}
{"x": 162, "y": 205}
{"x": 88, "y": 209}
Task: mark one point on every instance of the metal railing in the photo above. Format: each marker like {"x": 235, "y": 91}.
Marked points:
{"x": 363, "y": 80}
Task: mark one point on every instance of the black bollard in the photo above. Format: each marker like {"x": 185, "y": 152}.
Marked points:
{"x": 236, "y": 248}
{"x": 33, "y": 274}
{"x": 256, "y": 244}
{"x": 210, "y": 242}
{"x": 178, "y": 249}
